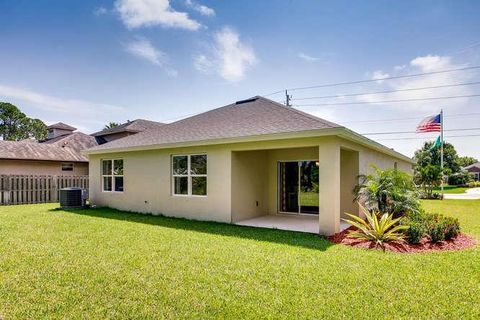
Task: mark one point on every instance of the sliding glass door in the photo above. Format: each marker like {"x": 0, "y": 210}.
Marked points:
{"x": 298, "y": 187}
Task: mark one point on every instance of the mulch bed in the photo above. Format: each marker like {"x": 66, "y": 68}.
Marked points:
{"x": 462, "y": 241}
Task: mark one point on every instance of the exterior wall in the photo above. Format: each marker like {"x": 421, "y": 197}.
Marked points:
{"x": 53, "y": 133}
{"x": 29, "y": 167}
{"x": 236, "y": 179}
{"x": 148, "y": 185}
{"x": 250, "y": 178}
{"x": 348, "y": 180}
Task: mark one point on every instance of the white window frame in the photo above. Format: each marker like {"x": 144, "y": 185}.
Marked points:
{"x": 189, "y": 175}
{"x": 68, "y": 163}
{"x": 113, "y": 176}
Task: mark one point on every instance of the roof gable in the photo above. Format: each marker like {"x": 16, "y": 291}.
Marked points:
{"x": 62, "y": 126}
{"x": 137, "y": 125}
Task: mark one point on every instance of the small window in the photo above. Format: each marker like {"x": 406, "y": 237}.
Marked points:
{"x": 189, "y": 175}
{"x": 395, "y": 165}
{"x": 67, "y": 166}
{"x": 112, "y": 175}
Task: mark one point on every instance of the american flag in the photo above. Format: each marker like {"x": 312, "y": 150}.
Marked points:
{"x": 430, "y": 124}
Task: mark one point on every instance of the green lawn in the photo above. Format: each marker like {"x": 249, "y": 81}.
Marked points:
{"x": 451, "y": 189}
{"x": 96, "y": 264}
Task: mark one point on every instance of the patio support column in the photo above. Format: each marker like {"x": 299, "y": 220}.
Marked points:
{"x": 329, "y": 189}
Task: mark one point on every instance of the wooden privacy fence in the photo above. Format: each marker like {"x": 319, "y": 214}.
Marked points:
{"x": 23, "y": 189}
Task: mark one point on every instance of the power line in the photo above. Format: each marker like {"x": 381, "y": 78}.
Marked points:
{"x": 458, "y": 115}
{"x": 388, "y": 91}
{"x": 385, "y": 101}
{"x": 400, "y": 132}
{"x": 427, "y": 138}
{"x": 374, "y": 80}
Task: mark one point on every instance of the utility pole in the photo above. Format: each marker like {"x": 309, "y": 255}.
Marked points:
{"x": 287, "y": 99}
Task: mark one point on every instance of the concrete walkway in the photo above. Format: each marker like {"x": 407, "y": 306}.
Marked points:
{"x": 470, "y": 194}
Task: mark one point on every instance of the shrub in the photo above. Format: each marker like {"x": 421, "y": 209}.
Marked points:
{"x": 473, "y": 184}
{"x": 459, "y": 179}
{"x": 375, "y": 230}
{"x": 415, "y": 232}
{"x": 436, "y": 231}
{"x": 431, "y": 196}
{"x": 436, "y": 226}
{"x": 452, "y": 228}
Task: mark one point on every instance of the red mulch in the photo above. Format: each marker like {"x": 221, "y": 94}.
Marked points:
{"x": 460, "y": 242}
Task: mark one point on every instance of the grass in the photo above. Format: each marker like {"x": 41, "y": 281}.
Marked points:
{"x": 451, "y": 189}
{"x": 108, "y": 264}
{"x": 309, "y": 199}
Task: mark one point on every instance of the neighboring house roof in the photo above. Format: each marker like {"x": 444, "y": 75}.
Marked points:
{"x": 473, "y": 167}
{"x": 63, "y": 148}
{"x": 247, "y": 119}
{"x": 62, "y": 126}
{"x": 134, "y": 126}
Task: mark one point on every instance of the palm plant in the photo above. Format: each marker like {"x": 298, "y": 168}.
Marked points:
{"x": 388, "y": 191}
{"x": 374, "y": 229}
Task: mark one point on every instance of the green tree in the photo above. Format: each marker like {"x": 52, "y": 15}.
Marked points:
{"x": 15, "y": 125}
{"x": 466, "y": 161}
{"x": 428, "y": 176}
{"x": 37, "y": 129}
{"x": 431, "y": 156}
{"x": 111, "y": 125}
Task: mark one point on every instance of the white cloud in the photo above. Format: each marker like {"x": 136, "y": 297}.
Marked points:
{"x": 145, "y": 13}
{"x": 68, "y": 106}
{"x": 202, "y": 63}
{"x": 231, "y": 58}
{"x": 379, "y": 75}
{"x": 200, "y": 8}
{"x": 307, "y": 57}
{"x": 100, "y": 11}
{"x": 143, "y": 49}
{"x": 425, "y": 64}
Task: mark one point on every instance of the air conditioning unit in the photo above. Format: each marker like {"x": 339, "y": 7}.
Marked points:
{"x": 73, "y": 198}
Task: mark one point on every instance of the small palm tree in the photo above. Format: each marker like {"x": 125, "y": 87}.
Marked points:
{"x": 388, "y": 191}
{"x": 111, "y": 125}
{"x": 376, "y": 230}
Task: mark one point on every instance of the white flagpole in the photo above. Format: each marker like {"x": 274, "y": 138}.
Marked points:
{"x": 441, "y": 147}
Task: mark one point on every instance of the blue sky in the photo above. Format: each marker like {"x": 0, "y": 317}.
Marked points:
{"x": 86, "y": 63}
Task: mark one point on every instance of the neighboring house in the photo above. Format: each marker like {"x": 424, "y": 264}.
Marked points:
{"x": 59, "y": 154}
{"x": 124, "y": 130}
{"x": 474, "y": 170}
{"x": 239, "y": 162}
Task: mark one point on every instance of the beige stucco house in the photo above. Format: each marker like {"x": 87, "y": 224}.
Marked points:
{"x": 254, "y": 162}
{"x": 59, "y": 154}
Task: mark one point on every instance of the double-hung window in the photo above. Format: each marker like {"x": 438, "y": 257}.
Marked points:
{"x": 189, "y": 175}
{"x": 112, "y": 175}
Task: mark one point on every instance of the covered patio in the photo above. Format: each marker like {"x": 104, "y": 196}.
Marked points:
{"x": 299, "y": 189}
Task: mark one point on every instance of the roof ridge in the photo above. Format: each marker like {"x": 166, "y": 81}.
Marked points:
{"x": 311, "y": 116}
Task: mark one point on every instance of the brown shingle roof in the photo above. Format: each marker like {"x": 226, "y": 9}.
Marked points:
{"x": 61, "y": 125}
{"x": 64, "y": 148}
{"x": 256, "y": 116}
{"x": 137, "y": 125}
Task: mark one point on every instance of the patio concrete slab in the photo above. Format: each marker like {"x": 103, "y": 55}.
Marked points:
{"x": 299, "y": 223}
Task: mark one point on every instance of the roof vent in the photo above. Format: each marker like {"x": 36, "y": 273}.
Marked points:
{"x": 246, "y": 101}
